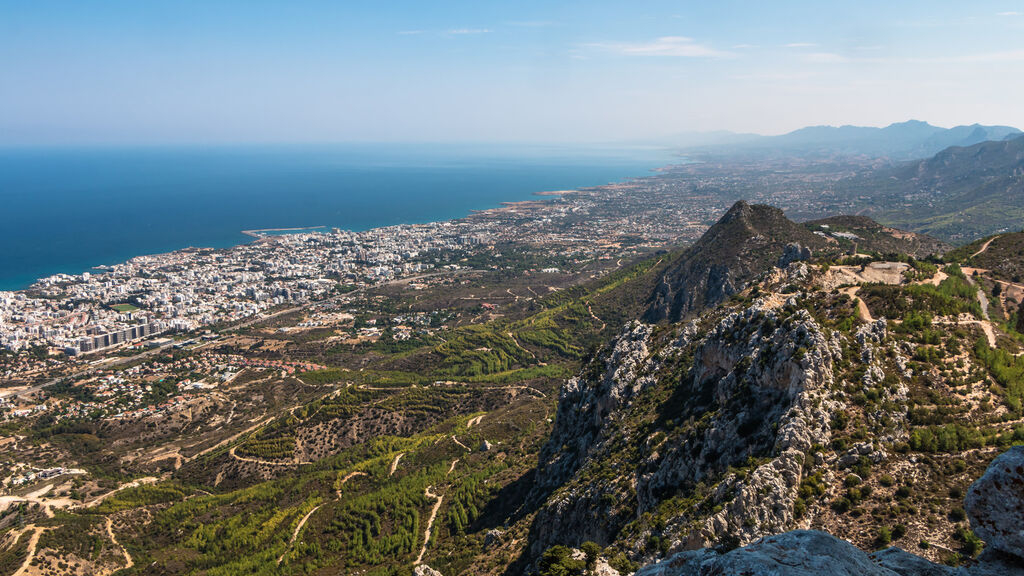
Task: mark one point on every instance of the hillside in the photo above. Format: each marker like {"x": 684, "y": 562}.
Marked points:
{"x": 793, "y": 387}
{"x": 866, "y": 235}
{"x": 1001, "y": 255}
{"x": 746, "y": 241}
{"x": 781, "y": 409}
{"x": 750, "y": 239}
{"x": 959, "y": 194}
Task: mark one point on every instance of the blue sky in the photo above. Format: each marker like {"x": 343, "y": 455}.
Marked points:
{"x": 594, "y": 71}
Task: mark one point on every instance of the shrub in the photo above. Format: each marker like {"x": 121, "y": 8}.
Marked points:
{"x": 884, "y": 537}
{"x": 558, "y": 561}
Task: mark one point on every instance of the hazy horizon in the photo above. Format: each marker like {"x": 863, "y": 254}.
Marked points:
{"x": 122, "y": 73}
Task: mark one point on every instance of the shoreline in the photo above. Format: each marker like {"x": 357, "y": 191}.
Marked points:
{"x": 546, "y": 197}
{"x": 260, "y": 232}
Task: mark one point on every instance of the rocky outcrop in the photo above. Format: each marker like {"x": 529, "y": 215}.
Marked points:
{"x": 797, "y": 553}
{"x": 995, "y": 503}
{"x": 424, "y": 570}
{"x": 587, "y": 401}
{"x": 793, "y": 252}
{"x": 747, "y": 241}
{"x": 814, "y": 553}
{"x": 901, "y": 562}
{"x": 755, "y": 388}
{"x": 768, "y": 379}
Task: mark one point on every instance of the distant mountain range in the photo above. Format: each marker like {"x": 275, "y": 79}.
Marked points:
{"x": 959, "y": 194}
{"x": 901, "y": 141}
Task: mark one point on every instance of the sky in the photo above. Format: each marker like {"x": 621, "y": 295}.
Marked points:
{"x": 157, "y": 72}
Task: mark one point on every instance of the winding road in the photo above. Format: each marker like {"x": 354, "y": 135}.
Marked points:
{"x": 33, "y": 543}
{"x": 862, "y": 309}
{"x": 295, "y": 534}
{"x": 127, "y": 557}
{"x": 394, "y": 464}
{"x": 984, "y": 246}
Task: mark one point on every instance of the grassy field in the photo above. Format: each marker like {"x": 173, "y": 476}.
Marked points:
{"x": 123, "y": 308}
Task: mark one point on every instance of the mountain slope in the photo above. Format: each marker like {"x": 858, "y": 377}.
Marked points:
{"x": 746, "y": 241}
{"x": 959, "y": 194}
{"x": 866, "y": 235}
{"x": 782, "y": 409}
{"x": 750, "y": 239}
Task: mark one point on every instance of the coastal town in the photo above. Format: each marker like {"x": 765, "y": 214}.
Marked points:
{"x": 105, "y": 329}
{"x": 191, "y": 289}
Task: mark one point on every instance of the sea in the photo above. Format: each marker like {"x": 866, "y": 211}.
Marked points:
{"x": 72, "y": 209}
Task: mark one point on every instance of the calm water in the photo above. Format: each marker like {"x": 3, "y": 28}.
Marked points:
{"x": 67, "y": 210}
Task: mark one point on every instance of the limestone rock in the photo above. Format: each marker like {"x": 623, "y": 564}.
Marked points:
{"x": 995, "y": 503}
{"x": 492, "y": 537}
{"x": 797, "y": 553}
{"x": 601, "y": 568}
{"x": 906, "y": 564}
{"x": 793, "y": 252}
{"x": 424, "y": 570}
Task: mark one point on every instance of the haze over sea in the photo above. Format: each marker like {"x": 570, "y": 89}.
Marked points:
{"x": 68, "y": 210}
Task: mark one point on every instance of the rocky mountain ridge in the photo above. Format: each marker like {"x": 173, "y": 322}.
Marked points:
{"x": 750, "y": 239}
{"x": 816, "y": 398}
{"x": 993, "y": 505}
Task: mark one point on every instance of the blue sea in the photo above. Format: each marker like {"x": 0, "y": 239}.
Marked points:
{"x": 70, "y": 209}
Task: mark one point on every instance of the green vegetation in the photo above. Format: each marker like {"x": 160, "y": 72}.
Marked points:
{"x": 140, "y": 496}
{"x": 558, "y": 561}
{"x": 1006, "y": 369}
{"x": 951, "y": 297}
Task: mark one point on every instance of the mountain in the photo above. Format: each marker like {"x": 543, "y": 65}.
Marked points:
{"x": 821, "y": 396}
{"x": 747, "y": 240}
{"x": 750, "y": 239}
{"x": 899, "y": 141}
{"x": 958, "y": 194}
{"x": 804, "y": 395}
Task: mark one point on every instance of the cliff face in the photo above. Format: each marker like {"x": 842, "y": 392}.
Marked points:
{"x": 790, "y": 410}
{"x": 728, "y": 408}
{"x": 781, "y": 409}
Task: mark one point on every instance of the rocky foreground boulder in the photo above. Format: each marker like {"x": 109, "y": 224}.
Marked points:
{"x": 994, "y": 503}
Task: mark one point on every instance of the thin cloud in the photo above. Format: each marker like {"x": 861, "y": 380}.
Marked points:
{"x": 801, "y": 45}
{"x": 677, "y": 46}
{"x": 1009, "y": 13}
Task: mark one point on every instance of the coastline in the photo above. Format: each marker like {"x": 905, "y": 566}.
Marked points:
{"x": 547, "y": 197}
{"x": 260, "y": 233}
{"x": 408, "y": 199}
